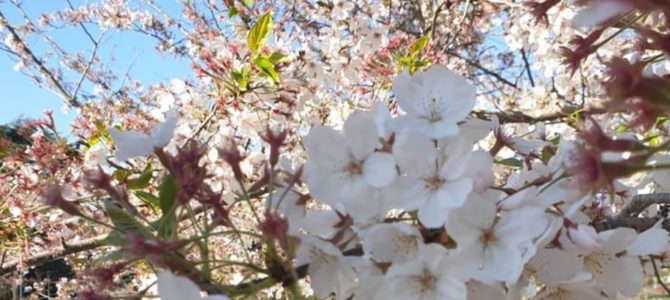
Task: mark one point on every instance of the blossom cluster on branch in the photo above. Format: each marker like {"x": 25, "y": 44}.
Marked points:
{"x": 346, "y": 149}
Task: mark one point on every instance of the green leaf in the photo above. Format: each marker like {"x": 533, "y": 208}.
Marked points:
{"x": 511, "y": 162}
{"x": 120, "y": 174}
{"x": 276, "y": 57}
{"x": 114, "y": 238}
{"x": 267, "y": 68}
{"x": 101, "y": 133}
{"x": 112, "y": 256}
{"x": 123, "y": 221}
{"x": 167, "y": 194}
{"x": 232, "y": 11}
{"x": 142, "y": 181}
{"x": 148, "y": 198}
{"x": 242, "y": 78}
{"x": 167, "y": 197}
{"x": 418, "y": 45}
{"x": 406, "y": 61}
{"x": 259, "y": 32}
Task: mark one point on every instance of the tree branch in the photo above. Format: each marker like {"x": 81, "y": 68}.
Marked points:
{"x": 628, "y": 217}
{"x": 527, "y": 67}
{"x": 519, "y": 117}
{"x": 64, "y": 94}
{"x": 481, "y": 68}
{"x": 641, "y": 202}
{"x": 45, "y": 256}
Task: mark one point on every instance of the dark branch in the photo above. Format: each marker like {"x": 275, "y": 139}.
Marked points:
{"x": 42, "y": 257}
{"x": 519, "y": 117}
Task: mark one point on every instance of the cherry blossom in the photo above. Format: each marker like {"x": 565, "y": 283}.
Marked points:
{"x": 435, "y": 100}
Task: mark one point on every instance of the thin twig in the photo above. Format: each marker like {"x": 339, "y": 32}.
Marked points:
{"x": 527, "y": 64}
{"x": 61, "y": 91}
{"x": 481, "y": 68}
{"x": 658, "y": 275}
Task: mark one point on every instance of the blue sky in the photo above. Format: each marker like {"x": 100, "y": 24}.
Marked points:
{"x": 22, "y": 98}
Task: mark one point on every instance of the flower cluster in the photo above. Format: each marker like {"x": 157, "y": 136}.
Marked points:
{"x": 346, "y": 149}
{"x": 419, "y": 198}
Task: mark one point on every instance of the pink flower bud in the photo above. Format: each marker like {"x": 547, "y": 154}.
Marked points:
{"x": 276, "y": 141}
{"x": 233, "y": 157}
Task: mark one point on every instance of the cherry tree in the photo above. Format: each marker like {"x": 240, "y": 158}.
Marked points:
{"x": 346, "y": 149}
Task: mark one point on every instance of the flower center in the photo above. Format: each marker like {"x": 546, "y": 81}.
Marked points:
{"x": 405, "y": 243}
{"x": 433, "y": 116}
{"x": 434, "y": 183}
{"x": 596, "y": 261}
{"x": 426, "y": 281}
{"x": 488, "y": 237}
{"x": 353, "y": 167}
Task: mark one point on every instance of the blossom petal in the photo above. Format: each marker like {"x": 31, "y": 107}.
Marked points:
{"x": 453, "y": 194}
{"x": 599, "y": 12}
{"x": 651, "y": 241}
{"x": 172, "y": 287}
{"x": 432, "y": 214}
{"x": 379, "y": 169}
{"x": 415, "y": 155}
{"x": 360, "y": 134}
{"x": 162, "y": 133}
{"x": 130, "y": 144}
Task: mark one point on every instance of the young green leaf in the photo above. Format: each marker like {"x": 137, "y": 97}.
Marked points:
{"x": 267, "y": 68}
{"x": 418, "y": 45}
{"x": 141, "y": 181}
{"x": 167, "y": 197}
{"x": 259, "y": 32}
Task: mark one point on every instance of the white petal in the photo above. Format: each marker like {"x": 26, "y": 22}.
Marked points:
{"x": 130, "y": 144}
{"x": 448, "y": 287}
{"x": 651, "y": 241}
{"x": 405, "y": 193}
{"x": 162, "y": 133}
{"x": 415, "y": 155}
{"x": 623, "y": 275}
{"x": 476, "y": 129}
{"x": 216, "y": 297}
{"x": 598, "y": 12}
{"x": 457, "y": 158}
{"x": 585, "y": 237}
{"x": 453, "y": 194}
{"x": 405, "y": 89}
{"x": 555, "y": 265}
{"x": 437, "y": 130}
{"x": 325, "y": 144}
{"x": 617, "y": 240}
{"x": 382, "y": 116}
{"x": 360, "y": 134}
{"x": 379, "y": 169}
{"x": 455, "y": 95}
{"x": 172, "y": 287}
{"x": 432, "y": 214}
{"x": 392, "y": 242}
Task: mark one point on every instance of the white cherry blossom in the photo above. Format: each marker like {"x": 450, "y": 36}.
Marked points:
{"x": 434, "y": 180}
{"x": 434, "y": 100}
{"x": 345, "y": 168}
{"x": 131, "y": 144}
